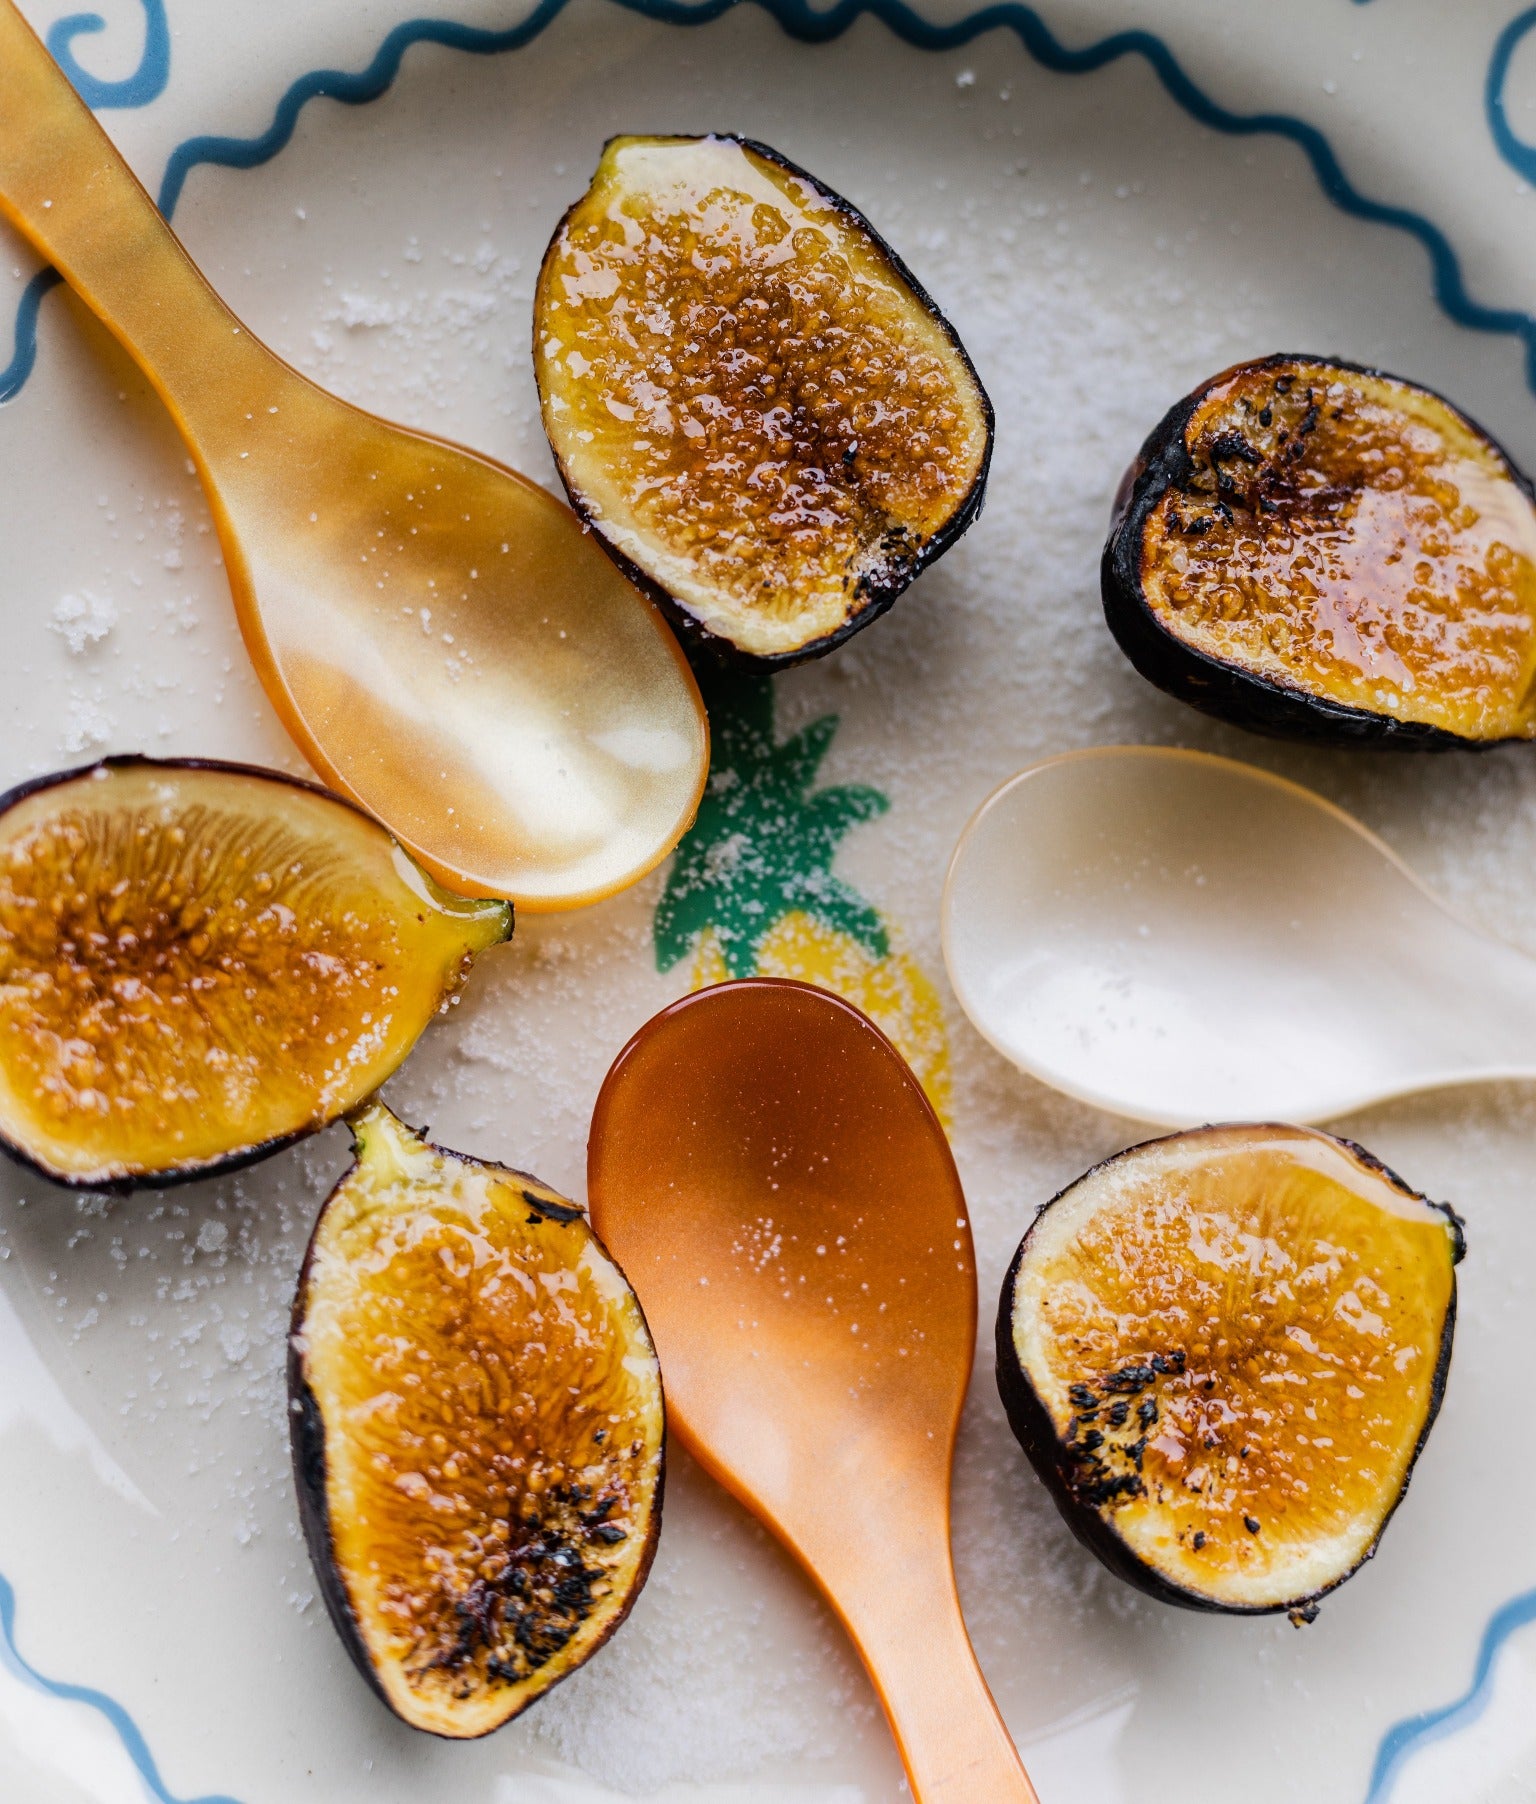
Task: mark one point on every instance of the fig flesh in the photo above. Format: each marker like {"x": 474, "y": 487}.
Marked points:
{"x": 1314, "y": 550}
{"x": 1223, "y": 1351}
{"x": 202, "y": 962}
{"x": 477, "y": 1429}
{"x": 765, "y": 419}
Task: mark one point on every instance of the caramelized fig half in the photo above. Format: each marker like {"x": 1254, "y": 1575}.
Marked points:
{"x": 201, "y": 962}
{"x": 1223, "y": 1351}
{"x": 477, "y": 1429}
{"x": 767, "y": 422}
{"x": 1319, "y": 551}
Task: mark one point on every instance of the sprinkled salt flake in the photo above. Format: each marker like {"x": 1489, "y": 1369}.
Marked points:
{"x": 83, "y": 620}
{"x": 966, "y": 79}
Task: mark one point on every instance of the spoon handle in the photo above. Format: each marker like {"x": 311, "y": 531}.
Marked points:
{"x": 67, "y": 190}
{"x": 903, "y": 1612}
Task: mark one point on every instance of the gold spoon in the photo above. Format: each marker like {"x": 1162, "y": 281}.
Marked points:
{"x": 444, "y": 642}
{"x": 776, "y": 1187}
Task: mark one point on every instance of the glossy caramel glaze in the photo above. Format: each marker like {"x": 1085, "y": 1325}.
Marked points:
{"x": 1348, "y": 535}
{"x": 198, "y": 961}
{"x": 1237, "y": 1335}
{"x": 745, "y": 393}
{"x": 492, "y": 1429}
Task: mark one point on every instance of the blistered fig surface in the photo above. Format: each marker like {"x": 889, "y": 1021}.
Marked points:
{"x": 196, "y": 962}
{"x": 1239, "y": 1353}
{"x": 745, "y": 390}
{"x": 1351, "y": 536}
{"x": 492, "y": 1428}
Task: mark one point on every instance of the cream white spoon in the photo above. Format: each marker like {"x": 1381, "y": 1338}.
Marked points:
{"x": 1182, "y": 939}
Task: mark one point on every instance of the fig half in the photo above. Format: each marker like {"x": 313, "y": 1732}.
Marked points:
{"x": 201, "y": 962}
{"x": 477, "y": 1429}
{"x": 767, "y": 422}
{"x": 1318, "y": 551}
{"x": 1223, "y": 1351}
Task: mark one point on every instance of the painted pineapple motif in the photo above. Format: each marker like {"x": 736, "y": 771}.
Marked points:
{"x": 752, "y": 892}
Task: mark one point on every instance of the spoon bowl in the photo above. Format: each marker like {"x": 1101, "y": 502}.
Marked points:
{"x": 779, "y": 1192}
{"x": 445, "y": 642}
{"x": 1182, "y": 938}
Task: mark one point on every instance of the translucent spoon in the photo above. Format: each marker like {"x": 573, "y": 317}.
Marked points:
{"x": 443, "y": 641}
{"x": 1182, "y": 939}
{"x": 770, "y": 1176}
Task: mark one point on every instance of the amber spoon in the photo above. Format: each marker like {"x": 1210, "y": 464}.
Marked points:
{"x": 442, "y": 639}
{"x": 773, "y": 1181}
{"x": 1183, "y": 938}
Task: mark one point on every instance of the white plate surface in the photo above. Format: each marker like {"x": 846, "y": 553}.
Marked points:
{"x": 1083, "y": 204}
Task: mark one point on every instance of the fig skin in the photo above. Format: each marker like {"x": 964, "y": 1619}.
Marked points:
{"x": 1226, "y": 691}
{"x": 711, "y": 652}
{"x": 307, "y": 1445}
{"x": 241, "y": 1157}
{"x": 1036, "y": 1433}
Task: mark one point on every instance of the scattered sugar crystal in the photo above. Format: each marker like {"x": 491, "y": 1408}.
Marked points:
{"x": 1087, "y": 306}
{"x": 86, "y": 725}
{"x": 361, "y": 310}
{"x": 83, "y": 619}
{"x": 211, "y": 1237}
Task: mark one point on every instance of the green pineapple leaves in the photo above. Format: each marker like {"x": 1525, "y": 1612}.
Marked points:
{"x": 763, "y": 844}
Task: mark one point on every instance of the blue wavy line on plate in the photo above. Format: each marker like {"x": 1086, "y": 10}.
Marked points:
{"x": 15, "y": 373}
{"x": 1404, "y": 1739}
{"x": 1520, "y": 156}
{"x": 146, "y": 83}
{"x": 127, "y": 1730}
{"x": 804, "y": 22}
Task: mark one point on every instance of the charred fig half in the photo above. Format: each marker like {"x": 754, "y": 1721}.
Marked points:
{"x": 477, "y": 1430}
{"x": 1318, "y": 551}
{"x": 1223, "y": 1351}
{"x": 201, "y": 962}
{"x": 767, "y": 422}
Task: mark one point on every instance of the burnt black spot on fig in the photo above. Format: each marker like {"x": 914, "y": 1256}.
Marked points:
{"x": 547, "y": 1208}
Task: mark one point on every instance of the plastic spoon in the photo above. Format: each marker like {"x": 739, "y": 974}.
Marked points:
{"x": 1184, "y": 939}
{"x": 770, "y": 1176}
{"x": 441, "y": 638}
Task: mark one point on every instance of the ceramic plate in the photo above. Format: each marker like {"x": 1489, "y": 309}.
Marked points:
{"x": 1111, "y": 199}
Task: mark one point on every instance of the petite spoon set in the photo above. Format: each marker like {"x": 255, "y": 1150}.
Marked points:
{"x": 1168, "y": 935}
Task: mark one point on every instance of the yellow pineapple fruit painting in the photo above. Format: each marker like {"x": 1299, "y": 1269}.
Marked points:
{"x": 752, "y": 893}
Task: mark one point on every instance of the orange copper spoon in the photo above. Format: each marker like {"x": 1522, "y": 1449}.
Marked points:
{"x": 444, "y": 642}
{"x": 773, "y": 1181}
